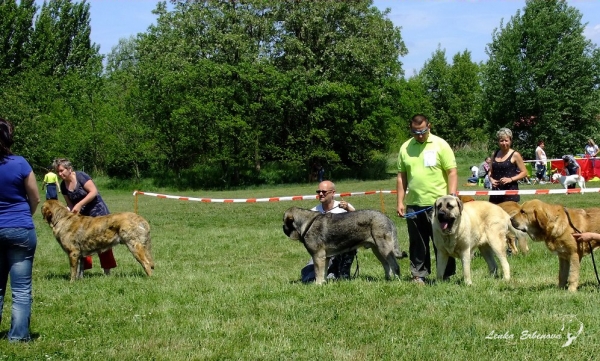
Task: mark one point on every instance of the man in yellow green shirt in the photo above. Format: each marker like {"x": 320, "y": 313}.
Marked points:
{"x": 426, "y": 171}
{"x": 51, "y": 185}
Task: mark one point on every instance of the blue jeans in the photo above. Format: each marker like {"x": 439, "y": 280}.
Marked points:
{"x": 17, "y": 248}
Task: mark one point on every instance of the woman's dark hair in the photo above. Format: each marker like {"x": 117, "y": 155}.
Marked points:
{"x": 6, "y": 138}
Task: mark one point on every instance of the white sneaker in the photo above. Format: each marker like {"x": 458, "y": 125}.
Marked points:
{"x": 542, "y": 182}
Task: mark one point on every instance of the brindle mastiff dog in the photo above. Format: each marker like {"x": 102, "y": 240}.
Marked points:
{"x": 81, "y": 236}
{"x": 326, "y": 235}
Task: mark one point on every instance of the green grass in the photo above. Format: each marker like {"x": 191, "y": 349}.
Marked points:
{"x": 226, "y": 287}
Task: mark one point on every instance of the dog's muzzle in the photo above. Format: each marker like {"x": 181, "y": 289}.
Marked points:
{"x": 286, "y": 230}
{"x": 446, "y": 222}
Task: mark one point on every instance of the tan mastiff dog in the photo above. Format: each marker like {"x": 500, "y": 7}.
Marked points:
{"x": 555, "y": 225}
{"x": 459, "y": 228}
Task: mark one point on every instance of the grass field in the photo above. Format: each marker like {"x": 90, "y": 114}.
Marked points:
{"x": 226, "y": 287}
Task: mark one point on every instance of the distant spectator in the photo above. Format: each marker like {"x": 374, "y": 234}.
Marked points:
{"x": 473, "y": 178}
{"x": 571, "y": 167}
{"x": 51, "y": 184}
{"x": 320, "y": 173}
{"x": 591, "y": 149}
{"x": 507, "y": 168}
{"x": 484, "y": 172}
{"x": 540, "y": 162}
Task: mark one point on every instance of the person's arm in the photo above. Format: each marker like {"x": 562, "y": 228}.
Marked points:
{"x": 33, "y": 195}
{"x": 522, "y": 169}
{"x": 57, "y": 186}
{"x": 493, "y": 182}
{"x": 452, "y": 180}
{"x": 586, "y": 237}
{"x": 401, "y": 183}
{"x": 347, "y": 206}
{"x": 92, "y": 192}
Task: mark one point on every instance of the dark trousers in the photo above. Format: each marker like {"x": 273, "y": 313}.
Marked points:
{"x": 51, "y": 191}
{"x": 420, "y": 233}
{"x": 339, "y": 265}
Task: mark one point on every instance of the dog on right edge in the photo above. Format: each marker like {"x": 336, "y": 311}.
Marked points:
{"x": 567, "y": 180}
{"x": 554, "y": 225}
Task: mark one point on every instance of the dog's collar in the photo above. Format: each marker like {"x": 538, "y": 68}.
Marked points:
{"x": 57, "y": 222}
{"x": 308, "y": 227}
{"x": 570, "y": 221}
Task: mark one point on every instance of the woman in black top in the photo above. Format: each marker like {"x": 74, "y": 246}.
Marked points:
{"x": 506, "y": 169}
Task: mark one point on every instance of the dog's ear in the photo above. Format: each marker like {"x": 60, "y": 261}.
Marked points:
{"x": 541, "y": 217}
{"x": 46, "y": 212}
{"x": 547, "y": 216}
{"x": 460, "y": 205}
{"x": 289, "y": 227}
{"x": 436, "y": 206}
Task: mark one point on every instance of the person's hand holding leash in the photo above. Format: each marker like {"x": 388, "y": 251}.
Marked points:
{"x": 400, "y": 210}
{"x": 585, "y": 237}
{"x": 345, "y": 205}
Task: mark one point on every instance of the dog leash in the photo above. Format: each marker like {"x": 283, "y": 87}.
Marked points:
{"x": 412, "y": 214}
{"x": 589, "y": 244}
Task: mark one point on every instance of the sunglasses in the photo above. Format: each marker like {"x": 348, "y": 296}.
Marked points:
{"x": 324, "y": 192}
{"x": 419, "y": 132}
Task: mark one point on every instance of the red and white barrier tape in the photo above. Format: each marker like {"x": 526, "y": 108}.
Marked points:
{"x": 349, "y": 194}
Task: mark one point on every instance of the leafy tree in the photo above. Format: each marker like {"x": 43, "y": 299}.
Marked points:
{"x": 63, "y": 79}
{"x": 435, "y": 76}
{"x": 454, "y": 91}
{"x": 16, "y": 21}
{"x": 541, "y": 79}
{"x": 343, "y": 58}
{"x": 465, "y": 101}
{"x": 129, "y": 144}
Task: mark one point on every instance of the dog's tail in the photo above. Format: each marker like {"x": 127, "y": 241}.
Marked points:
{"x": 397, "y": 253}
{"x": 400, "y": 255}
{"x": 520, "y": 237}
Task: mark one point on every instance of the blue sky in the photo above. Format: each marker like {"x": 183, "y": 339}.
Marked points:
{"x": 453, "y": 25}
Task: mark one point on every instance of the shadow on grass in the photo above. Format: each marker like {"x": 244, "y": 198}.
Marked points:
{"x": 67, "y": 276}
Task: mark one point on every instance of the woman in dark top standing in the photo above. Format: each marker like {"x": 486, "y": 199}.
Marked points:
{"x": 83, "y": 197}
{"x": 506, "y": 169}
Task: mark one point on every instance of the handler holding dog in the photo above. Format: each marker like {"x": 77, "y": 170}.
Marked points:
{"x": 340, "y": 265}
{"x": 83, "y": 197}
{"x": 426, "y": 171}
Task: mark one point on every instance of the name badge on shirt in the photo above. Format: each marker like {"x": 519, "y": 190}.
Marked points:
{"x": 430, "y": 158}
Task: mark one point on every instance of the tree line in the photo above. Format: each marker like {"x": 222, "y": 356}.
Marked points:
{"x": 230, "y": 93}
